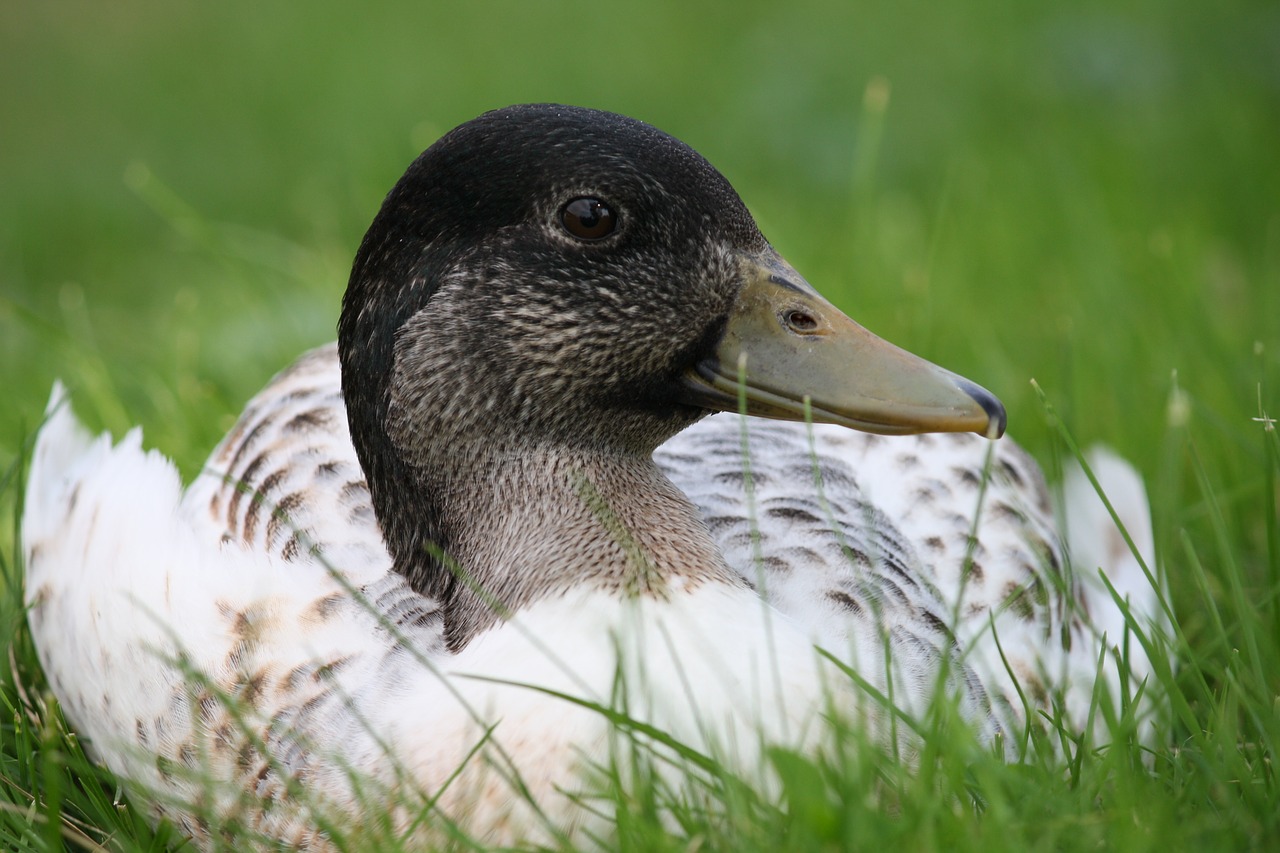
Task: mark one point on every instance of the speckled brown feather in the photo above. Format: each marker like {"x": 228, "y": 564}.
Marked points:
{"x": 264, "y": 653}
{"x": 857, "y": 537}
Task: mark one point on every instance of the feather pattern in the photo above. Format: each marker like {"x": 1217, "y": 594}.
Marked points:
{"x": 298, "y": 617}
{"x": 252, "y": 670}
{"x": 429, "y": 564}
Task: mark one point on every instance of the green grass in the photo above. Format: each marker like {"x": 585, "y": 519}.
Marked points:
{"x": 1086, "y": 195}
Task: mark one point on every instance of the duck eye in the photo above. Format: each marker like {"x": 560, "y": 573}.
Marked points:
{"x": 588, "y": 219}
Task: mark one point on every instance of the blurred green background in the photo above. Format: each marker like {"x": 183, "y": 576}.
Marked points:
{"x": 1084, "y": 193}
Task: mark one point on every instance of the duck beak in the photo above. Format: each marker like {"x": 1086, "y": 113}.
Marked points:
{"x": 789, "y": 354}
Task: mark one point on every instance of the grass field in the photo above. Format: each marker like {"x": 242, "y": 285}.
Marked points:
{"x": 1084, "y": 194}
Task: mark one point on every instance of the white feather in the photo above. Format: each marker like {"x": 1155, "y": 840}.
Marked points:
{"x": 150, "y": 607}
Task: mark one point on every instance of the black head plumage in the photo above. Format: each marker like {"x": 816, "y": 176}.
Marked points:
{"x": 469, "y": 277}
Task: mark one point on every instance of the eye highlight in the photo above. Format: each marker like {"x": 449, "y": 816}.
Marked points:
{"x": 588, "y": 219}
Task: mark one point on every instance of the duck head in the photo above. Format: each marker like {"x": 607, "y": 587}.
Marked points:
{"x": 549, "y": 275}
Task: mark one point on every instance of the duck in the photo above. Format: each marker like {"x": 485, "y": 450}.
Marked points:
{"x": 588, "y": 453}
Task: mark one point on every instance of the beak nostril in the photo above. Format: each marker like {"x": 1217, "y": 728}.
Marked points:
{"x": 800, "y": 321}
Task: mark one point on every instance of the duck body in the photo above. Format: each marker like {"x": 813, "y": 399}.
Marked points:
{"x": 411, "y": 582}
{"x": 219, "y": 664}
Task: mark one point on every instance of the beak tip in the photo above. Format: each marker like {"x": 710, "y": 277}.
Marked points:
{"x": 997, "y": 418}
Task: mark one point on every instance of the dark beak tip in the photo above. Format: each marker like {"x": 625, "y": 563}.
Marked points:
{"x": 997, "y": 418}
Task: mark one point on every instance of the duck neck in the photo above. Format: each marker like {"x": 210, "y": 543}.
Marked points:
{"x": 517, "y": 527}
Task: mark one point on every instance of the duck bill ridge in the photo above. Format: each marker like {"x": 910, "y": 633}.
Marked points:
{"x": 789, "y": 354}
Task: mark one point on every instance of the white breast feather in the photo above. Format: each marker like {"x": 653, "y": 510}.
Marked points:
{"x": 854, "y": 540}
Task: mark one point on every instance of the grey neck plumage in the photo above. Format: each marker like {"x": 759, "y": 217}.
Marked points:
{"x": 519, "y": 527}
